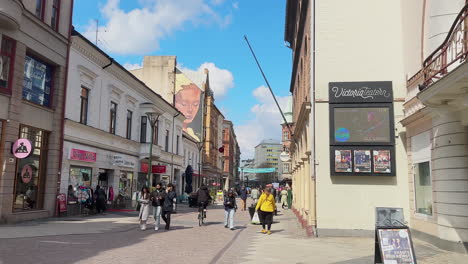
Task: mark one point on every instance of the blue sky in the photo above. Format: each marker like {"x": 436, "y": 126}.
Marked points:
{"x": 204, "y": 33}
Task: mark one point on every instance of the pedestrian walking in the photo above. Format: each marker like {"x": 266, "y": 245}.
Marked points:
{"x": 144, "y": 207}
{"x": 157, "y": 199}
{"x": 255, "y": 193}
{"x": 290, "y": 197}
{"x": 284, "y": 198}
{"x": 100, "y": 196}
{"x": 266, "y": 206}
{"x": 243, "y": 196}
{"x": 230, "y": 208}
{"x": 169, "y": 200}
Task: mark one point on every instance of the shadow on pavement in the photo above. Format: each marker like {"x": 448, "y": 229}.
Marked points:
{"x": 368, "y": 259}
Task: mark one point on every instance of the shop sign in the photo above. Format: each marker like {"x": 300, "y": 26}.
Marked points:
{"x": 122, "y": 162}
{"x": 159, "y": 169}
{"x": 26, "y": 174}
{"x": 82, "y": 155}
{"x": 360, "y": 92}
{"x": 284, "y": 156}
{"x": 22, "y": 148}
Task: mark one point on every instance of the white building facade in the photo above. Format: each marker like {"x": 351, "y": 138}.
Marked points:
{"x": 107, "y": 132}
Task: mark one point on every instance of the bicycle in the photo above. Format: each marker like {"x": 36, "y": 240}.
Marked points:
{"x": 201, "y": 214}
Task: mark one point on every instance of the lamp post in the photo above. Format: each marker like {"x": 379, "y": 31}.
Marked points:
{"x": 200, "y": 148}
{"x": 153, "y": 118}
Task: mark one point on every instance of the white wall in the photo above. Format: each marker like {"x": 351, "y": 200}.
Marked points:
{"x": 357, "y": 40}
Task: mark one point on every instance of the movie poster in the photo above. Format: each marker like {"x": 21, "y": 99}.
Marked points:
{"x": 343, "y": 161}
{"x": 362, "y": 161}
{"x": 382, "y": 161}
{"x": 189, "y": 101}
{"x": 396, "y": 247}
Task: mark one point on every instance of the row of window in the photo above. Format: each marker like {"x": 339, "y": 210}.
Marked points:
{"x": 113, "y": 122}
{"x": 55, "y": 15}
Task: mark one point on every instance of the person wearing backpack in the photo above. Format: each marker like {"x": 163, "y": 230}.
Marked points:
{"x": 230, "y": 208}
{"x": 266, "y": 206}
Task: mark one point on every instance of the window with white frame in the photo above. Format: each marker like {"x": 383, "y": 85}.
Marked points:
{"x": 421, "y": 156}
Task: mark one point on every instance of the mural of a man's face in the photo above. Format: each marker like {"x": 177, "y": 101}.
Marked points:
{"x": 188, "y": 101}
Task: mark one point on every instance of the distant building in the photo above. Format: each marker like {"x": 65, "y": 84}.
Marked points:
{"x": 267, "y": 155}
{"x": 231, "y": 146}
{"x": 245, "y": 177}
{"x": 286, "y": 135}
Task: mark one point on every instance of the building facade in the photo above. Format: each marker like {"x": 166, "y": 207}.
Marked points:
{"x": 192, "y": 158}
{"x": 348, "y": 155}
{"x": 436, "y": 120}
{"x": 287, "y": 129}
{"x": 34, "y": 37}
{"x": 231, "y": 155}
{"x": 247, "y": 178}
{"x": 108, "y": 133}
{"x": 267, "y": 156}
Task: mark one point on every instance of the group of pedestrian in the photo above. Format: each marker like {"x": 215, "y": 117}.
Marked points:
{"x": 162, "y": 201}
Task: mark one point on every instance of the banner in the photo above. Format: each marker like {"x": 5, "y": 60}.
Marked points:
{"x": 257, "y": 170}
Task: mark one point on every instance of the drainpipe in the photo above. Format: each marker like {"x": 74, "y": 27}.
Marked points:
{"x": 314, "y": 147}
{"x": 172, "y": 154}
{"x": 62, "y": 122}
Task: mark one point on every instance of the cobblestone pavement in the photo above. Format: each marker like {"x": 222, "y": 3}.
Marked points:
{"x": 115, "y": 238}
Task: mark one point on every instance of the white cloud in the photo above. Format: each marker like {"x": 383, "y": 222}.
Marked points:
{"x": 265, "y": 124}
{"x": 221, "y": 80}
{"x": 139, "y": 30}
{"x": 217, "y": 2}
{"x": 235, "y": 5}
{"x": 130, "y": 66}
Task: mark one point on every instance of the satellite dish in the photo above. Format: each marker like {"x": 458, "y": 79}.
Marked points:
{"x": 284, "y": 156}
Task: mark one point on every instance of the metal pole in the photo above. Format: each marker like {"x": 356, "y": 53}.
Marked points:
{"x": 150, "y": 167}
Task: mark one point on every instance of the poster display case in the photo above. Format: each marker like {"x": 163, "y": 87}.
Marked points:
{"x": 362, "y": 129}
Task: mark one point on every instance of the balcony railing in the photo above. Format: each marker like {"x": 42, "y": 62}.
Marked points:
{"x": 451, "y": 53}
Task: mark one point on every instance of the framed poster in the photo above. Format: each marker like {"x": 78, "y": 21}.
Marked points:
{"x": 343, "y": 161}
{"x": 382, "y": 161}
{"x": 362, "y": 161}
{"x": 396, "y": 246}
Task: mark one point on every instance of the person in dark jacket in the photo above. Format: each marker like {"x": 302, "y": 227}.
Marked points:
{"x": 230, "y": 208}
{"x": 100, "y": 196}
{"x": 243, "y": 196}
{"x": 157, "y": 199}
{"x": 169, "y": 199}
{"x": 203, "y": 196}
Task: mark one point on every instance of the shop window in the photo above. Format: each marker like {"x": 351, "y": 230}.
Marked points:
{"x": 423, "y": 188}
{"x": 143, "y": 128}
{"x": 37, "y": 82}
{"x": 39, "y": 12}
{"x": 84, "y": 106}
{"x": 80, "y": 177}
{"x": 31, "y": 171}
{"x": 129, "y": 124}
{"x": 126, "y": 184}
{"x": 113, "y": 118}
{"x": 7, "y": 55}
{"x": 54, "y": 20}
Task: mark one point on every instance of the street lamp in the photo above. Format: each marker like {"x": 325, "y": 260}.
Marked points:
{"x": 153, "y": 118}
{"x": 200, "y": 148}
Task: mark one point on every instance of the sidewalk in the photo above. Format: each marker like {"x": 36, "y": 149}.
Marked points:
{"x": 78, "y": 225}
{"x": 288, "y": 244}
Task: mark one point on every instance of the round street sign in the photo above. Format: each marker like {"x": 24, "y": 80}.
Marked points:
{"x": 284, "y": 156}
{"x": 22, "y": 148}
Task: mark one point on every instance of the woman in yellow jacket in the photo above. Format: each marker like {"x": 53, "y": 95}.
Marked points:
{"x": 266, "y": 206}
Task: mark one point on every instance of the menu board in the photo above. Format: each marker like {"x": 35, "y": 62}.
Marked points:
{"x": 343, "y": 161}
{"x": 362, "y": 161}
{"x": 382, "y": 163}
{"x": 396, "y": 246}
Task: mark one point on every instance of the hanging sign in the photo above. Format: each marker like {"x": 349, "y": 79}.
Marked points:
{"x": 26, "y": 174}
{"x": 284, "y": 156}
{"x": 22, "y": 148}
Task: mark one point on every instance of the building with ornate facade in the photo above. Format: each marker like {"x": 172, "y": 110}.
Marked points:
{"x": 287, "y": 129}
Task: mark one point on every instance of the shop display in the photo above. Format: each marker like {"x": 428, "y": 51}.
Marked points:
{"x": 382, "y": 161}
{"x": 362, "y": 161}
{"x": 343, "y": 161}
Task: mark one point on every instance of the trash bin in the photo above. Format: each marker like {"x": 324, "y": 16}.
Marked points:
{"x": 251, "y": 211}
